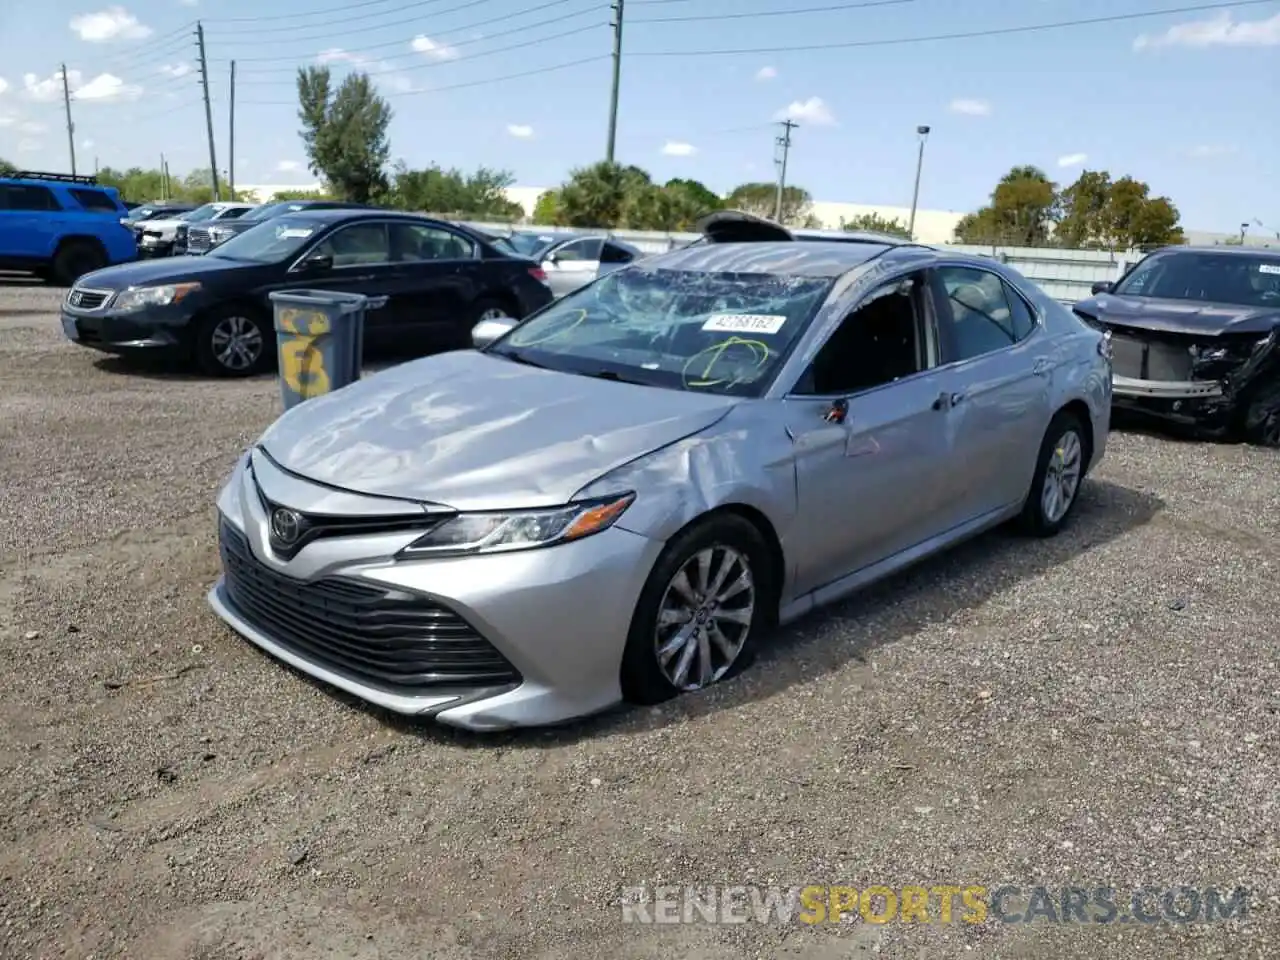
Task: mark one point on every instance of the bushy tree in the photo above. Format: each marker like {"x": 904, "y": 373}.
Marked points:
{"x": 760, "y": 198}
{"x": 1021, "y": 213}
{"x": 345, "y": 132}
{"x": 475, "y": 196}
{"x": 601, "y": 195}
{"x": 874, "y": 223}
{"x": 546, "y": 212}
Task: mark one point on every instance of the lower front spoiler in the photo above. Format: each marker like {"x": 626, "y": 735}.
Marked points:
{"x": 1201, "y": 405}
{"x": 477, "y": 709}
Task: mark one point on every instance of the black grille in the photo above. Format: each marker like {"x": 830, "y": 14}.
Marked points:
{"x": 199, "y": 240}
{"x": 86, "y": 299}
{"x": 385, "y": 637}
{"x": 1153, "y": 359}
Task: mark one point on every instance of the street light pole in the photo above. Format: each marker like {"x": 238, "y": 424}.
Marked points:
{"x": 1244, "y": 228}
{"x": 923, "y": 133}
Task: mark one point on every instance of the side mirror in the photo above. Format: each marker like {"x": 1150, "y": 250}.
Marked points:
{"x": 554, "y": 259}
{"x": 487, "y": 331}
{"x": 317, "y": 263}
{"x": 1102, "y": 286}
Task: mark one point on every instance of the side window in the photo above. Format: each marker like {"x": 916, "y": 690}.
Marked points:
{"x": 233, "y": 213}
{"x": 975, "y": 316}
{"x": 586, "y": 249}
{"x": 883, "y": 340}
{"x": 360, "y": 244}
{"x": 1023, "y": 320}
{"x": 94, "y": 200}
{"x": 25, "y": 197}
{"x": 412, "y": 242}
{"x": 612, "y": 254}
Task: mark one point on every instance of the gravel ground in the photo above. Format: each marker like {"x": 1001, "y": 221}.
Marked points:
{"x": 1099, "y": 709}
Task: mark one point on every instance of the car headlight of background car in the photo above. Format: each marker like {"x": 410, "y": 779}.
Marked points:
{"x": 502, "y": 531}
{"x": 139, "y": 298}
{"x": 218, "y": 234}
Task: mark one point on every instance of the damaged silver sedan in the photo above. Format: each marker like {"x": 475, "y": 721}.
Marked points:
{"x": 1196, "y": 334}
{"x": 618, "y": 497}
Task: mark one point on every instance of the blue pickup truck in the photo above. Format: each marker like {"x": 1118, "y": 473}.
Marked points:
{"x": 61, "y": 227}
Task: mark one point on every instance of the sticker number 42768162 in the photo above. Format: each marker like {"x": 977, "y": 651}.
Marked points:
{"x": 744, "y": 323}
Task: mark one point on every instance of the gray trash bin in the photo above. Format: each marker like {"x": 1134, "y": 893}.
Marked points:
{"x": 319, "y": 340}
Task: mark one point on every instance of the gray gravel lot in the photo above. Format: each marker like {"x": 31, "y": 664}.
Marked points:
{"x": 1099, "y": 709}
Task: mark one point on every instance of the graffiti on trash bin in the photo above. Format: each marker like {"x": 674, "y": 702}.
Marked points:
{"x": 301, "y": 359}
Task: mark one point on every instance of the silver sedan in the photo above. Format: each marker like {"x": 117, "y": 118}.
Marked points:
{"x": 620, "y": 496}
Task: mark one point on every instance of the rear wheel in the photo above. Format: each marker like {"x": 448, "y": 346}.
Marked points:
{"x": 232, "y": 341}
{"x": 1262, "y": 419}
{"x": 1064, "y": 457}
{"x": 75, "y": 258}
{"x": 700, "y": 612}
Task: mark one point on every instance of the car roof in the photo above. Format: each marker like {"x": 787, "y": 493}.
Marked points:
{"x": 335, "y": 214}
{"x": 1233, "y": 250}
{"x": 783, "y": 257}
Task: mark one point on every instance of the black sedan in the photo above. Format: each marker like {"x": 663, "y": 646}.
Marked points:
{"x": 201, "y": 238}
{"x": 1196, "y": 339}
{"x": 439, "y": 280}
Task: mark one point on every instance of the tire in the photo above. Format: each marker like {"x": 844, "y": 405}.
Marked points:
{"x": 1261, "y": 425}
{"x": 643, "y": 679}
{"x": 216, "y": 334}
{"x": 1064, "y": 455}
{"x": 74, "y": 259}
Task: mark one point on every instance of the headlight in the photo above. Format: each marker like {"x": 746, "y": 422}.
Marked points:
{"x": 520, "y": 529}
{"x": 138, "y": 298}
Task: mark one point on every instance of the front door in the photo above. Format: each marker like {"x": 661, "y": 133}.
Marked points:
{"x": 573, "y": 265}
{"x": 871, "y": 442}
{"x": 361, "y": 254}
{"x": 999, "y": 374}
{"x": 439, "y": 276}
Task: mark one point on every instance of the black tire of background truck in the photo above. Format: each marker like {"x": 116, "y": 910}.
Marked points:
{"x": 75, "y": 258}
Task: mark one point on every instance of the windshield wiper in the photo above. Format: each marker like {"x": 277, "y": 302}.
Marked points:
{"x": 518, "y": 358}
{"x": 614, "y": 376}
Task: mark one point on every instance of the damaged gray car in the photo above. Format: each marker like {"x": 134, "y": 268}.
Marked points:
{"x": 1195, "y": 339}
{"x": 616, "y": 498}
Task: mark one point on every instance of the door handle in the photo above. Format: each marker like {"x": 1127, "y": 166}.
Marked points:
{"x": 947, "y": 400}
{"x": 1041, "y": 366}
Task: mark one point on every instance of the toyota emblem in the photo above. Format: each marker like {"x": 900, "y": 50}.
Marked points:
{"x": 286, "y": 525}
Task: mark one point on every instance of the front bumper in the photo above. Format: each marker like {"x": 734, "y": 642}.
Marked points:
{"x": 1204, "y": 404}
{"x": 156, "y": 329}
{"x": 557, "y": 616}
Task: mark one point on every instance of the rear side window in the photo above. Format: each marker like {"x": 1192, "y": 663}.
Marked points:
{"x": 94, "y": 200}
{"x": 612, "y": 254}
{"x": 21, "y": 196}
{"x": 231, "y": 214}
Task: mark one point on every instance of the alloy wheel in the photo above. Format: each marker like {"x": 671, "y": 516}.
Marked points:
{"x": 1062, "y": 477}
{"x": 237, "y": 342}
{"x": 705, "y": 617}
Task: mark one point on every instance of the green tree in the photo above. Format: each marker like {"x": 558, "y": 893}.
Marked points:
{"x": 759, "y": 199}
{"x": 7, "y": 169}
{"x": 1136, "y": 219}
{"x": 663, "y": 208}
{"x": 1084, "y": 208}
{"x": 874, "y": 223}
{"x": 599, "y": 195}
{"x": 479, "y": 196}
{"x": 697, "y": 193}
{"x": 546, "y": 212}
{"x": 282, "y": 196}
{"x": 345, "y": 132}
{"x": 1021, "y": 213}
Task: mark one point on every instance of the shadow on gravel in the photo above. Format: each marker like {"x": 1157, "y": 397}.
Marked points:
{"x": 1145, "y": 425}
{"x": 960, "y": 579}
{"x": 153, "y": 367}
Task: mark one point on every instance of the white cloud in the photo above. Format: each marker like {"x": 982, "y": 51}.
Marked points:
{"x": 87, "y": 144}
{"x": 288, "y": 166}
{"x": 766, "y": 73}
{"x": 338, "y": 55}
{"x": 4, "y": 84}
{"x": 176, "y": 70}
{"x": 114, "y": 23}
{"x": 1219, "y": 31}
{"x": 813, "y": 111}
{"x": 674, "y": 148}
{"x": 379, "y": 69}
{"x": 104, "y": 88}
{"x": 8, "y": 120}
{"x": 431, "y": 48}
{"x": 32, "y": 127}
{"x": 971, "y": 108}
{"x": 29, "y": 146}
{"x": 189, "y": 3}
{"x": 520, "y": 130}
{"x": 1072, "y": 159}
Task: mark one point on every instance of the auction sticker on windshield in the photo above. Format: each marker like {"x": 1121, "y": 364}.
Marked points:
{"x": 295, "y": 233}
{"x": 1269, "y": 268}
{"x": 744, "y": 323}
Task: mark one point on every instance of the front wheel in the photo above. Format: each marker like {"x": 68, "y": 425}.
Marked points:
{"x": 700, "y": 612}
{"x": 232, "y": 341}
{"x": 1064, "y": 457}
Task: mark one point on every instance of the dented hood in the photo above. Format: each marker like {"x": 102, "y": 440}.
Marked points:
{"x": 477, "y": 432}
{"x": 1181, "y": 316}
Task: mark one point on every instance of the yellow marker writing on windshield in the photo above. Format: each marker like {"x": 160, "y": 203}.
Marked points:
{"x": 301, "y": 360}
{"x": 559, "y": 328}
{"x": 709, "y": 357}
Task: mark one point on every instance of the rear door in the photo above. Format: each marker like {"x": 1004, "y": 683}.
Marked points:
{"x": 28, "y": 222}
{"x": 999, "y": 374}
{"x": 439, "y": 277}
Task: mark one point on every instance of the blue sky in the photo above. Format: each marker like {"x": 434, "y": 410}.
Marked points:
{"x": 1185, "y": 101}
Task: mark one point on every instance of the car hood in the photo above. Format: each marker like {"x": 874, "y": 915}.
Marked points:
{"x": 164, "y": 270}
{"x": 1180, "y": 316}
{"x": 476, "y": 432}
{"x": 161, "y": 226}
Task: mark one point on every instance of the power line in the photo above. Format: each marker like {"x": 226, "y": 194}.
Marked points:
{"x": 165, "y": 44}
{"x": 359, "y": 18}
{"x": 546, "y": 22}
{"x": 830, "y": 8}
{"x": 341, "y": 8}
{"x": 452, "y": 86}
{"x": 536, "y": 8}
{"x": 537, "y": 41}
{"x": 967, "y": 35}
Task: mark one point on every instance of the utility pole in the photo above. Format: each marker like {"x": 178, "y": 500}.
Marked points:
{"x": 71, "y": 127}
{"x": 164, "y": 180}
{"x": 784, "y": 142}
{"x": 1244, "y": 228}
{"x": 923, "y": 133}
{"x": 616, "y": 7}
{"x": 208, "y": 109}
{"x": 231, "y": 145}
